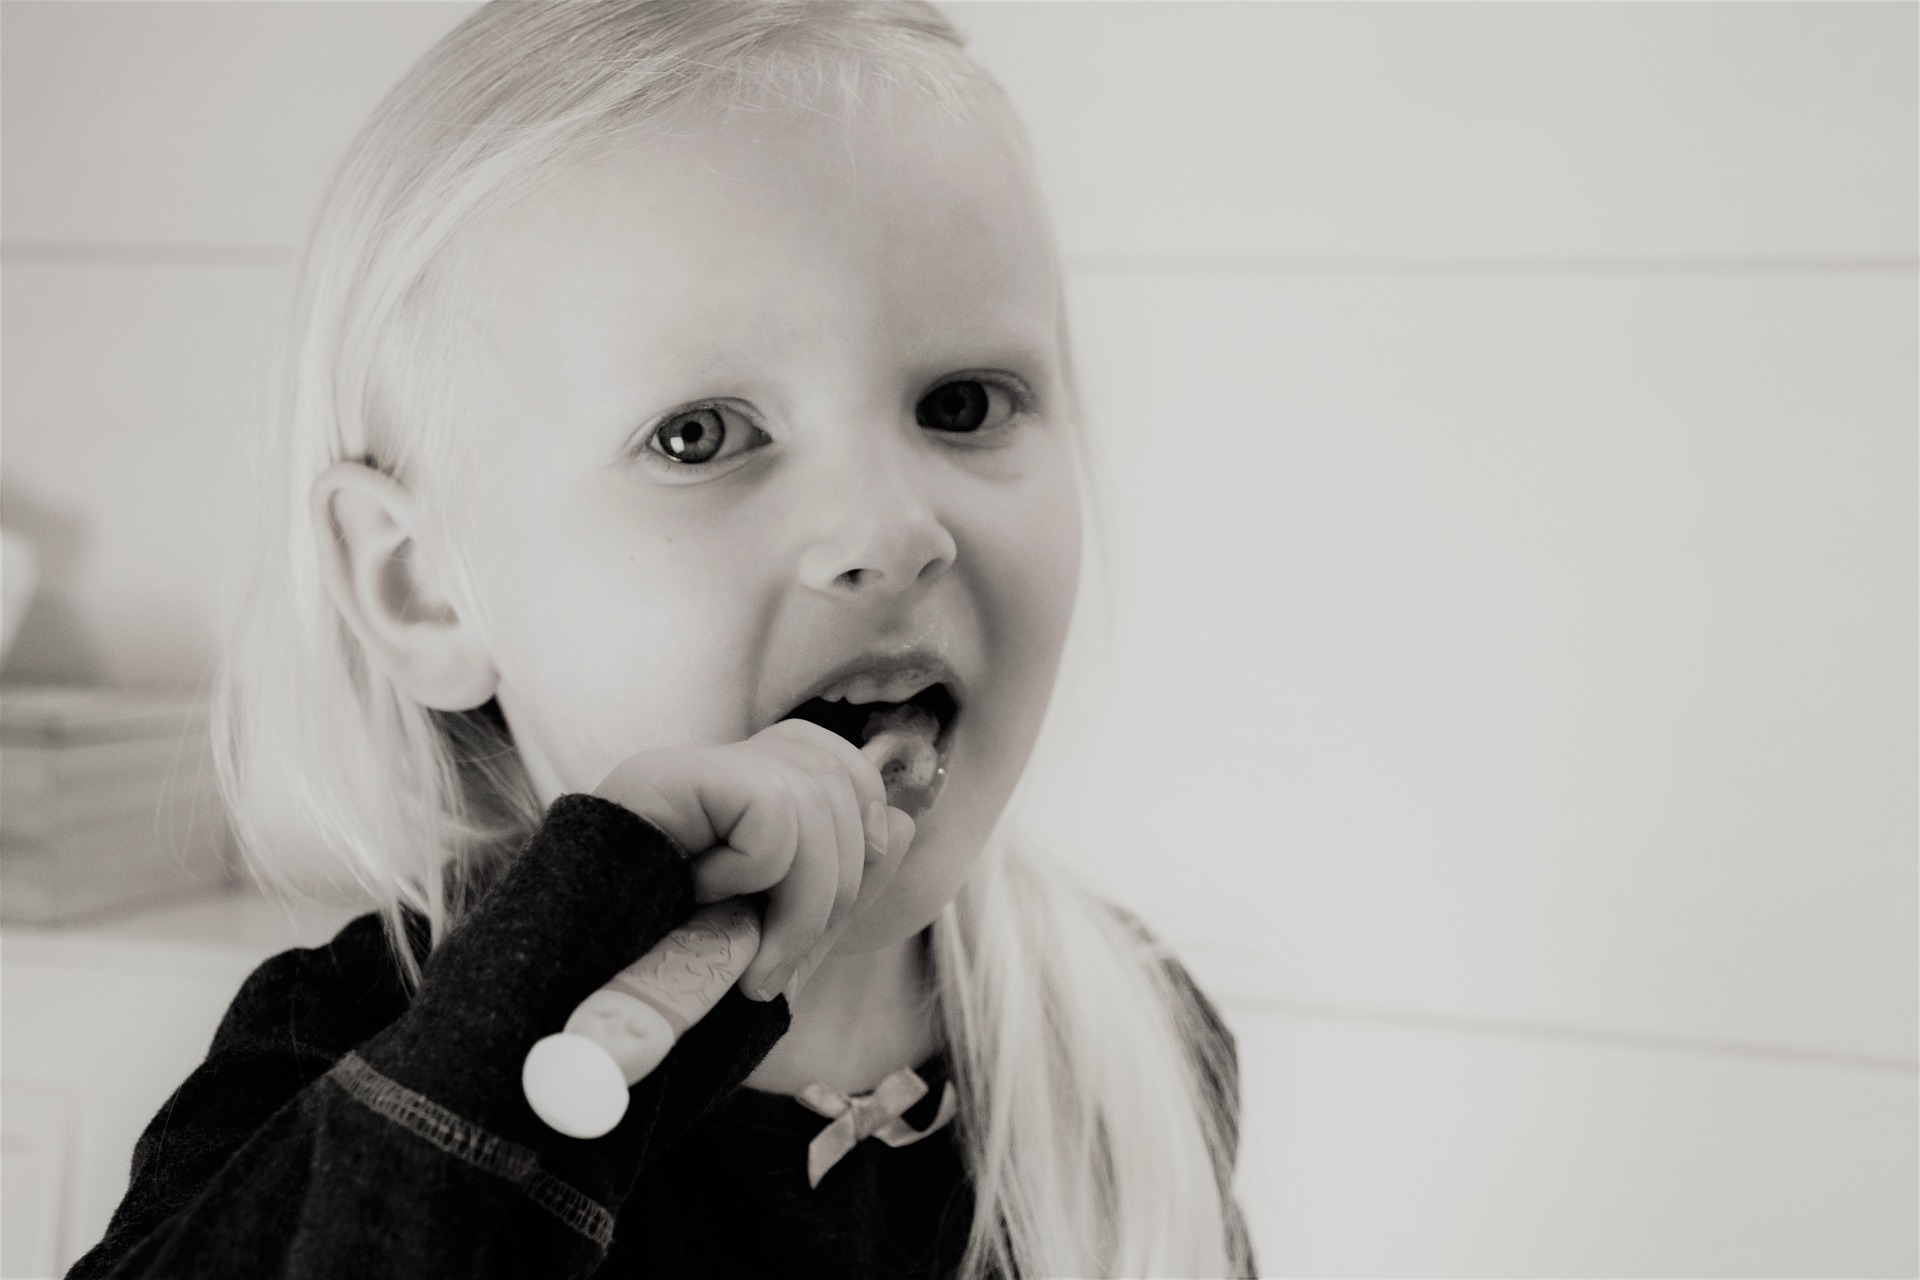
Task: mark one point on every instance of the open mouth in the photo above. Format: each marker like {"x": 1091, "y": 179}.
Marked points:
{"x": 907, "y": 741}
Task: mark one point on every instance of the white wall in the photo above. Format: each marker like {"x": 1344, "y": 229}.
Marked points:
{"x": 1505, "y": 417}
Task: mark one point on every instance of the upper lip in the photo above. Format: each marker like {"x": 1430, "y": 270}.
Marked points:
{"x": 913, "y": 659}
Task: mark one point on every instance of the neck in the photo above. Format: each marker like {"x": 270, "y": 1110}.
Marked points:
{"x": 858, "y": 1019}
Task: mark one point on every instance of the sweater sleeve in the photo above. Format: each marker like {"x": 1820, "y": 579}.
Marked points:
{"x": 337, "y": 1128}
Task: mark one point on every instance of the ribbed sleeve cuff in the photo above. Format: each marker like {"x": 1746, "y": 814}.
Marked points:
{"x": 593, "y": 890}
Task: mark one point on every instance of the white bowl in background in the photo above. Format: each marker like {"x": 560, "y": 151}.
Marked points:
{"x": 19, "y": 573}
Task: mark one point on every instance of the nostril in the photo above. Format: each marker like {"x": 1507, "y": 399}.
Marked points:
{"x": 861, "y": 555}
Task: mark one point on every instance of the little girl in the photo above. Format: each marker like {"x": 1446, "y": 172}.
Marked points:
{"x": 677, "y": 390}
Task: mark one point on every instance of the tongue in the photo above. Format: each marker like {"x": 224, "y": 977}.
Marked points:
{"x": 900, "y": 744}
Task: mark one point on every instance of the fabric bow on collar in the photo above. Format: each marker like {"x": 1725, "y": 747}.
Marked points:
{"x": 868, "y": 1115}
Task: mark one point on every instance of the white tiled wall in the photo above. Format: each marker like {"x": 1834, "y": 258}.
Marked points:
{"x": 1463, "y": 130}
{"x": 1535, "y": 642}
{"x": 131, "y": 390}
{"x": 1505, "y": 421}
{"x": 213, "y": 125}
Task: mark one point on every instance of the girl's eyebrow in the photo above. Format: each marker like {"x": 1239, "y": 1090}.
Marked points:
{"x": 1023, "y": 385}
{"x": 1029, "y": 369}
{"x": 1007, "y": 348}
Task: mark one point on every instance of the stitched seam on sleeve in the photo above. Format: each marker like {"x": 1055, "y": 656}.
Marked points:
{"x": 465, "y": 1140}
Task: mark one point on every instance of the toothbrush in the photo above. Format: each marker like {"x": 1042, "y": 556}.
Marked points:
{"x": 577, "y": 1080}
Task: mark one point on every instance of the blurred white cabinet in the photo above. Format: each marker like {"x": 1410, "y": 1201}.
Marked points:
{"x": 99, "y": 1023}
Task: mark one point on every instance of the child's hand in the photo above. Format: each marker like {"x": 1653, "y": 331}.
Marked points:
{"x": 795, "y": 811}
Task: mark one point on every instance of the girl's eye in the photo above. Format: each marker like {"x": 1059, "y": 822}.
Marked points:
{"x": 707, "y": 434}
{"x": 964, "y": 406}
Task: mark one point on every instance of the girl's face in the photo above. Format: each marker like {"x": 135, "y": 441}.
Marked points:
{"x": 760, "y": 407}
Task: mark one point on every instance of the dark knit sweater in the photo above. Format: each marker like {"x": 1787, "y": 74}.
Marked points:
{"x": 340, "y": 1127}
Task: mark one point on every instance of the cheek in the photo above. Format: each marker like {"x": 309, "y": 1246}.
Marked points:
{"x": 1036, "y": 550}
{"x": 1061, "y": 536}
{"x": 1027, "y": 584}
{"x": 613, "y": 636}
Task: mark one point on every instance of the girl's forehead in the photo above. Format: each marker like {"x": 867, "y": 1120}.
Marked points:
{"x": 760, "y": 230}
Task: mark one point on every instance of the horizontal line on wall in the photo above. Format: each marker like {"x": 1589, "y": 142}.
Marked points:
{"x": 1389, "y": 265}
{"x": 1108, "y": 264}
{"x": 221, "y": 255}
{"x": 1569, "y": 1034}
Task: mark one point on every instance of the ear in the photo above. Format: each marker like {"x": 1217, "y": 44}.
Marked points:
{"x": 390, "y": 584}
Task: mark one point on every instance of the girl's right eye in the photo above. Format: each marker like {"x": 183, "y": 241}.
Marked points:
{"x": 698, "y": 437}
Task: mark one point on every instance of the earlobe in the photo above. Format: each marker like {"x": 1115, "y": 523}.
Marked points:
{"x": 389, "y": 583}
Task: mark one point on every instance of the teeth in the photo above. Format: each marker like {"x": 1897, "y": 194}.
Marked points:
{"x": 896, "y": 686}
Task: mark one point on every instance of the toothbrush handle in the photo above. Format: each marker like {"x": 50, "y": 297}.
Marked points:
{"x": 577, "y": 1080}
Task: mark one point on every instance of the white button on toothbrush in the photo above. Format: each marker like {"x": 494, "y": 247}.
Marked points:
{"x": 574, "y": 1085}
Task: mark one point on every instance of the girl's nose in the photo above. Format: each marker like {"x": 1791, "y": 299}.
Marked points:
{"x": 879, "y": 538}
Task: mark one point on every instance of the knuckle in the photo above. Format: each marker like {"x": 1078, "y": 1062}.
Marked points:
{"x": 773, "y": 781}
{"x": 780, "y": 792}
{"x": 810, "y": 793}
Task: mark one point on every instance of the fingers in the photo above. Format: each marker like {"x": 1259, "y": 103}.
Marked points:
{"x": 868, "y": 789}
{"x": 830, "y": 773}
{"x": 802, "y": 905}
{"x": 751, "y": 803}
{"x": 698, "y": 795}
{"x": 799, "y": 838}
{"x": 780, "y": 816}
{"x": 796, "y": 812}
{"x": 879, "y": 874}
{"x": 824, "y": 768}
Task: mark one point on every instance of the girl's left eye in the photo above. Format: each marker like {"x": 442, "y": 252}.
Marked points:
{"x": 710, "y": 433}
{"x": 966, "y": 406}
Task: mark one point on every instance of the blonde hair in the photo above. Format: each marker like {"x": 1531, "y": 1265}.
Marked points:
{"x": 1098, "y": 1109}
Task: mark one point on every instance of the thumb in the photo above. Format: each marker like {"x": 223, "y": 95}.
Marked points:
{"x": 702, "y": 797}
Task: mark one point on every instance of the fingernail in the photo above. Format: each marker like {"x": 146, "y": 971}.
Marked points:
{"x": 877, "y": 827}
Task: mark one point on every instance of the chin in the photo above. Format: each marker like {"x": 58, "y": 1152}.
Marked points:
{"x": 927, "y": 880}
